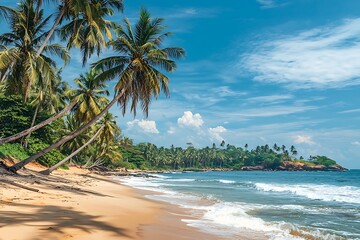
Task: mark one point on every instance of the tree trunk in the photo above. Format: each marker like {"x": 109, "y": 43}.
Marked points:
{"x": 32, "y": 124}
{"x": 21, "y": 164}
{"x": 41, "y": 49}
{"x": 38, "y": 126}
{"x": 51, "y": 169}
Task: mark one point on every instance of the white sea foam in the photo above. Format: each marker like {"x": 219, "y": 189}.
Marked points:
{"x": 224, "y": 218}
{"x": 233, "y": 218}
{"x": 346, "y": 194}
{"x": 226, "y": 181}
{"x": 181, "y": 180}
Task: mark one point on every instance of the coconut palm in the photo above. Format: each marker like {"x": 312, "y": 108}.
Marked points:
{"x": 48, "y": 94}
{"x": 86, "y": 24}
{"x": 70, "y": 126}
{"x": 138, "y": 63}
{"x": 106, "y": 133}
{"x": 19, "y": 64}
{"x": 51, "y": 169}
{"x": 137, "y": 69}
{"x": 21, "y": 70}
{"x": 91, "y": 96}
{"x": 110, "y": 128}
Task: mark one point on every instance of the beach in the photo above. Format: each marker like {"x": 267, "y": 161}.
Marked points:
{"x": 76, "y": 204}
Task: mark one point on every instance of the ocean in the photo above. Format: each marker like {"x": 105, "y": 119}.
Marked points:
{"x": 264, "y": 205}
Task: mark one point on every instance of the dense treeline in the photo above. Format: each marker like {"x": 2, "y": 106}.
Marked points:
{"x": 149, "y": 156}
{"x": 41, "y": 117}
{"x": 113, "y": 150}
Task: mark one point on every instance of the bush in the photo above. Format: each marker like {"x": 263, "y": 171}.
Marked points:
{"x": 13, "y": 150}
{"x": 324, "y": 161}
{"x": 122, "y": 164}
{"x": 49, "y": 159}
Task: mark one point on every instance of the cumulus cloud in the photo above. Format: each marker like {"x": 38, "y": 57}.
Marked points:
{"x": 145, "y": 125}
{"x": 326, "y": 57}
{"x": 190, "y": 119}
{"x": 304, "y": 139}
{"x": 215, "y": 133}
{"x": 171, "y": 130}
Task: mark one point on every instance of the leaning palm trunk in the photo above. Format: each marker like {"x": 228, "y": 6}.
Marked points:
{"x": 51, "y": 169}
{"x": 21, "y": 164}
{"x": 38, "y": 126}
{"x": 51, "y": 32}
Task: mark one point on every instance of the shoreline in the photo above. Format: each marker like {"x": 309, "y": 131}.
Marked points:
{"x": 75, "y": 204}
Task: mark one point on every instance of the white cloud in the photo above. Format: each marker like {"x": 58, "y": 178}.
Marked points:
{"x": 191, "y": 11}
{"x": 326, "y": 57}
{"x": 190, "y": 119}
{"x": 351, "y": 111}
{"x": 225, "y": 91}
{"x": 270, "y": 3}
{"x": 171, "y": 130}
{"x": 215, "y": 133}
{"x": 357, "y": 143}
{"x": 271, "y": 98}
{"x": 271, "y": 111}
{"x": 145, "y": 125}
{"x": 304, "y": 139}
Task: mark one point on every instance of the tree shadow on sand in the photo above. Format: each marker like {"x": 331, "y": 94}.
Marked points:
{"x": 56, "y": 219}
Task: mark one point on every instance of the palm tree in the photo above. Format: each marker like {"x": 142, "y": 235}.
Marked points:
{"x": 25, "y": 69}
{"x": 136, "y": 68}
{"x": 106, "y": 133}
{"x": 86, "y": 23}
{"x": 69, "y": 10}
{"x": 110, "y": 128}
{"x": 49, "y": 94}
{"x": 70, "y": 126}
{"x": 19, "y": 66}
{"x": 107, "y": 148}
{"x": 51, "y": 169}
{"x": 91, "y": 96}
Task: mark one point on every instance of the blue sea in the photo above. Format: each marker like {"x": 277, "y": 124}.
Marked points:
{"x": 263, "y": 205}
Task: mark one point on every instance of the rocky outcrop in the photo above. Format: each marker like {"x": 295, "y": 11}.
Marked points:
{"x": 295, "y": 166}
{"x": 253, "y": 168}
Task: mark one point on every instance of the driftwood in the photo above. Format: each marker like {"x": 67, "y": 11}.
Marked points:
{"x": 21, "y": 186}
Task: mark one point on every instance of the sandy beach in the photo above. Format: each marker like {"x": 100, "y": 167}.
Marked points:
{"x": 76, "y": 204}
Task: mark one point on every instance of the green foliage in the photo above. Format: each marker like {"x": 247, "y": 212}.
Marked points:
{"x": 122, "y": 164}
{"x": 49, "y": 159}
{"x": 16, "y": 116}
{"x": 324, "y": 161}
{"x": 149, "y": 156}
{"x": 13, "y": 150}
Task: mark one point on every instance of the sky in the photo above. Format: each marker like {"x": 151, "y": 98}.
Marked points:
{"x": 256, "y": 72}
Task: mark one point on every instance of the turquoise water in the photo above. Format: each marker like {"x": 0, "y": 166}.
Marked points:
{"x": 275, "y": 205}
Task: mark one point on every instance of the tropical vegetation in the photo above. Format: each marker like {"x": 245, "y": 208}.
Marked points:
{"x": 32, "y": 81}
{"x": 42, "y": 118}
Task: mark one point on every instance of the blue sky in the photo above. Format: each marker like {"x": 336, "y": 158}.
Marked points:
{"x": 256, "y": 72}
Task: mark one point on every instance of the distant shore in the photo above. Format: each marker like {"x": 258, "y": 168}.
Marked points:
{"x": 75, "y": 204}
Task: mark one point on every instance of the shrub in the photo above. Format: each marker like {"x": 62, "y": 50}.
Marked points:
{"x": 49, "y": 159}
{"x": 13, "y": 150}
